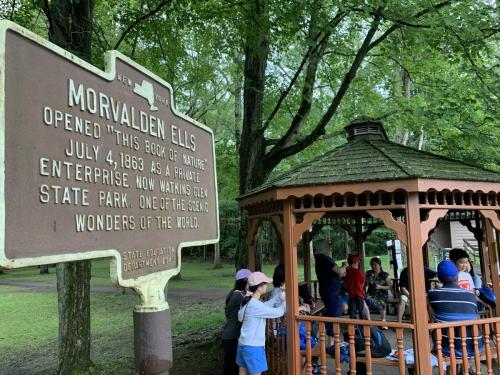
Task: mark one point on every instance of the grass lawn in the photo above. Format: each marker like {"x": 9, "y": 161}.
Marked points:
{"x": 29, "y": 321}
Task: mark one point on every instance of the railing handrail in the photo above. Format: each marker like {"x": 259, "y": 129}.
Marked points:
{"x": 314, "y": 318}
{"x": 464, "y": 322}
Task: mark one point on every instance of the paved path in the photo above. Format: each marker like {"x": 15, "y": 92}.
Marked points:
{"x": 174, "y": 293}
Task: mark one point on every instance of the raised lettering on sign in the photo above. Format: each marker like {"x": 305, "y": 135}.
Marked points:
{"x": 98, "y": 163}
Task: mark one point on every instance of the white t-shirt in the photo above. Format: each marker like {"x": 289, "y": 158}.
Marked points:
{"x": 254, "y": 315}
{"x": 465, "y": 281}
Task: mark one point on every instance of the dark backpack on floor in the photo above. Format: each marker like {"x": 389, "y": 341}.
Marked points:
{"x": 379, "y": 344}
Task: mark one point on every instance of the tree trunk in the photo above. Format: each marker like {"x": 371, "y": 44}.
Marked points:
{"x": 252, "y": 146}
{"x": 238, "y": 87}
{"x": 404, "y": 137}
{"x": 421, "y": 140}
{"x": 217, "y": 262}
{"x": 73, "y": 288}
{"x": 70, "y": 27}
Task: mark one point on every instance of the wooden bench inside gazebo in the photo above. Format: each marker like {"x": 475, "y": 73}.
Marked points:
{"x": 371, "y": 181}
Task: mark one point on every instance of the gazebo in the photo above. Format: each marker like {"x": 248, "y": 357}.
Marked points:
{"x": 372, "y": 180}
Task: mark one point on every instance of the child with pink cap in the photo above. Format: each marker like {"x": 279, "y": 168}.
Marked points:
{"x": 251, "y": 355}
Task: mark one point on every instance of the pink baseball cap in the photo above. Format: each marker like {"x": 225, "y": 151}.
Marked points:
{"x": 242, "y": 274}
{"x": 257, "y": 278}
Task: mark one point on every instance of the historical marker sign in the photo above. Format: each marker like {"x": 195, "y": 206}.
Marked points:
{"x": 96, "y": 164}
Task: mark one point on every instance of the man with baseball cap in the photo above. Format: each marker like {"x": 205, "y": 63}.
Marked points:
{"x": 450, "y": 304}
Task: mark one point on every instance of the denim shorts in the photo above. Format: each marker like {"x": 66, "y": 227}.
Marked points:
{"x": 253, "y": 358}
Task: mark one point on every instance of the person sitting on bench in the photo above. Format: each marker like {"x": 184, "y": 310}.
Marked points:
{"x": 450, "y": 304}
{"x": 404, "y": 288}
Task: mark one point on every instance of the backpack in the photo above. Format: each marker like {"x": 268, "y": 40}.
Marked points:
{"x": 379, "y": 345}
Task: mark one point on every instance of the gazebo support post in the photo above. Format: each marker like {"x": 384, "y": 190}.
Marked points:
{"x": 419, "y": 304}
{"x": 306, "y": 241}
{"x": 253, "y": 227}
{"x": 292, "y": 292}
{"x": 359, "y": 242}
{"x": 493, "y": 255}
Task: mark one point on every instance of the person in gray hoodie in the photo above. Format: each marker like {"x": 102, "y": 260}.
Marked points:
{"x": 251, "y": 355}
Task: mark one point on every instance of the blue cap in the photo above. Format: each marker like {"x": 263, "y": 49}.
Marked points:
{"x": 446, "y": 271}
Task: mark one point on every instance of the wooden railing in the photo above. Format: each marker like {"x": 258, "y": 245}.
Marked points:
{"x": 277, "y": 351}
{"x": 484, "y": 337}
{"x": 482, "y": 356}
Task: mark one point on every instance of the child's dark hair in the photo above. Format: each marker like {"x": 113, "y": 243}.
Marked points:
{"x": 457, "y": 253}
{"x": 279, "y": 276}
{"x": 240, "y": 285}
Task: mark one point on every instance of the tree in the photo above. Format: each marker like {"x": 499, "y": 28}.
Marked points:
{"x": 70, "y": 26}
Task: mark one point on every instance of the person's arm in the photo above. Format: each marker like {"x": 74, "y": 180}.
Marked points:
{"x": 339, "y": 270}
{"x": 275, "y": 301}
{"x": 404, "y": 291}
{"x": 387, "y": 284}
{"x": 265, "y": 311}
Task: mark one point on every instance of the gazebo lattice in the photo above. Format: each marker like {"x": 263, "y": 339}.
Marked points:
{"x": 371, "y": 180}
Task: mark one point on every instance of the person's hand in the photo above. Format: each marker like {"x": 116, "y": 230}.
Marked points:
{"x": 377, "y": 286}
{"x": 343, "y": 271}
{"x": 467, "y": 267}
{"x": 305, "y": 307}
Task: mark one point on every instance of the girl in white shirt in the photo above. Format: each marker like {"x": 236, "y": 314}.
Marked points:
{"x": 251, "y": 355}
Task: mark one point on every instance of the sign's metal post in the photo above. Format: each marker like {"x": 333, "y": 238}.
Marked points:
{"x": 101, "y": 165}
{"x": 152, "y": 331}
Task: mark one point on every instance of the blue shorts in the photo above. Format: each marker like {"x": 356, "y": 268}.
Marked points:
{"x": 253, "y": 358}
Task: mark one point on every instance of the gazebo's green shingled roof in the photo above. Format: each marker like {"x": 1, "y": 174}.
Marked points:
{"x": 365, "y": 160}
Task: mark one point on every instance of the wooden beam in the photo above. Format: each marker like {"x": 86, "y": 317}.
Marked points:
{"x": 430, "y": 223}
{"x": 493, "y": 217}
{"x": 292, "y": 288}
{"x": 253, "y": 227}
{"x": 306, "y": 241}
{"x": 389, "y": 222}
{"x": 492, "y": 246}
{"x": 417, "y": 285}
{"x": 307, "y": 221}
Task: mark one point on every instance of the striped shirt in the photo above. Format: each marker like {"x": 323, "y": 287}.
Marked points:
{"x": 451, "y": 304}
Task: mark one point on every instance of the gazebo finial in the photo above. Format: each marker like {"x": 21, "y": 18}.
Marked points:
{"x": 365, "y": 127}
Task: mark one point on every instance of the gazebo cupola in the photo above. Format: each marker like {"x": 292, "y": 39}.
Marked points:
{"x": 365, "y": 128}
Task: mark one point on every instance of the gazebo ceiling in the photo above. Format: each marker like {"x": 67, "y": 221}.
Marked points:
{"x": 369, "y": 156}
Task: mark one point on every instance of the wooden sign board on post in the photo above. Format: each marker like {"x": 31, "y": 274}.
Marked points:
{"x": 98, "y": 164}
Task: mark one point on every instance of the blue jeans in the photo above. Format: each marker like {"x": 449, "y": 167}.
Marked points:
{"x": 333, "y": 307}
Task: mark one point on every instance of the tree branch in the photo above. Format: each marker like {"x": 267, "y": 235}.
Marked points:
{"x": 134, "y": 24}
{"x": 417, "y": 15}
{"x": 321, "y": 39}
{"x": 278, "y": 152}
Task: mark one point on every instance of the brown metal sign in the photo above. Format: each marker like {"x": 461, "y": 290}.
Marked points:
{"x": 97, "y": 164}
